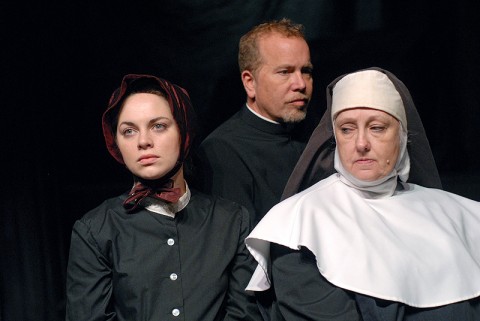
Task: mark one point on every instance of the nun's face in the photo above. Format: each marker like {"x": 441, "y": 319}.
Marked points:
{"x": 368, "y": 142}
{"x": 148, "y": 136}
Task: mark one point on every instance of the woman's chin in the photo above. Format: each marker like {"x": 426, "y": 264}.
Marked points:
{"x": 150, "y": 176}
{"x": 367, "y": 177}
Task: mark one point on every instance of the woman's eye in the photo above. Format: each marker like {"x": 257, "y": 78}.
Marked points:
{"x": 378, "y": 128}
{"x": 128, "y": 132}
{"x": 159, "y": 126}
{"x": 346, "y": 130}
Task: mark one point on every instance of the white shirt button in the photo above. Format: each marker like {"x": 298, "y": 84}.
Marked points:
{"x": 176, "y": 312}
{"x": 170, "y": 242}
{"x": 173, "y": 276}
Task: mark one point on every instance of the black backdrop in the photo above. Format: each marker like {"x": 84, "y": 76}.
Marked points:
{"x": 61, "y": 61}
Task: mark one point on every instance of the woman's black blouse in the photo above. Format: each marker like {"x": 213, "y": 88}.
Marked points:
{"x": 147, "y": 266}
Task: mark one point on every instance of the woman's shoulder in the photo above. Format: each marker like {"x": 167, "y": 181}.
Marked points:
{"x": 98, "y": 215}
{"x": 319, "y": 189}
{"x": 291, "y": 215}
{"x": 411, "y": 188}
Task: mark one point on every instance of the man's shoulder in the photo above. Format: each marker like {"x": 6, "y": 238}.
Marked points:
{"x": 231, "y": 125}
{"x": 239, "y": 130}
{"x": 218, "y": 204}
{"x": 201, "y": 199}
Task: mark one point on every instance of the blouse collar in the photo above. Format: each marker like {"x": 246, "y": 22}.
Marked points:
{"x": 168, "y": 209}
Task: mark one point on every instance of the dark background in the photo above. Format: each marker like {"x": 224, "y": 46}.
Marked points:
{"x": 61, "y": 61}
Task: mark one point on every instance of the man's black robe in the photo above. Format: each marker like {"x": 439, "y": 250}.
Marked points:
{"x": 248, "y": 160}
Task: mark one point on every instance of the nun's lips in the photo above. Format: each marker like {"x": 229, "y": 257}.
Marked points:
{"x": 364, "y": 161}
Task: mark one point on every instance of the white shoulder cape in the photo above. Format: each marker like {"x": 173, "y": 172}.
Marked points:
{"x": 420, "y": 246}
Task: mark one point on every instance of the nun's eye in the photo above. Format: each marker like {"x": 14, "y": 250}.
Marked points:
{"x": 377, "y": 128}
{"x": 346, "y": 130}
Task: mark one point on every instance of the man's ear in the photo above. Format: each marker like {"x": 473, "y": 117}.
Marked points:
{"x": 248, "y": 80}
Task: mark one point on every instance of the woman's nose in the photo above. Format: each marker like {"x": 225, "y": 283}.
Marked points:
{"x": 362, "y": 142}
{"x": 144, "y": 141}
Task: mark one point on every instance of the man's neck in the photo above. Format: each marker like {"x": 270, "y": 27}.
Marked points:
{"x": 260, "y": 116}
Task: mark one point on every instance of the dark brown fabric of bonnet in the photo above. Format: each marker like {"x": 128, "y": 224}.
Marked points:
{"x": 316, "y": 161}
{"x": 182, "y": 110}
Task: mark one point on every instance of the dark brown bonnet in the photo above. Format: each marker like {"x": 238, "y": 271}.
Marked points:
{"x": 177, "y": 98}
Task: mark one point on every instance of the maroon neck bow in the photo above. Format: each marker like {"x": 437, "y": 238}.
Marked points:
{"x": 165, "y": 192}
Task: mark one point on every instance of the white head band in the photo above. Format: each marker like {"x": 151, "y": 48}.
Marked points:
{"x": 368, "y": 88}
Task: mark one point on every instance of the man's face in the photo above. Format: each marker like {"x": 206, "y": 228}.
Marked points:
{"x": 281, "y": 88}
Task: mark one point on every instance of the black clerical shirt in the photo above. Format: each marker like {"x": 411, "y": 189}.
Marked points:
{"x": 248, "y": 160}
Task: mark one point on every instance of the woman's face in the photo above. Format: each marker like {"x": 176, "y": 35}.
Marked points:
{"x": 148, "y": 136}
{"x": 368, "y": 142}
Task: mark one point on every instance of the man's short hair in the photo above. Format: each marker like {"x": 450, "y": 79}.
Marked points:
{"x": 248, "y": 54}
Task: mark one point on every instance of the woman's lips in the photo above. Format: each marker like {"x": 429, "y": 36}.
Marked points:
{"x": 147, "y": 159}
{"x": 364, "y": 161}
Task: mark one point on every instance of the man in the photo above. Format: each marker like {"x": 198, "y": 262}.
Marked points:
{"x": 249, "y": 158}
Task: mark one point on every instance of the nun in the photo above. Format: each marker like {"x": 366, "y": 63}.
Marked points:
{"x": 364, "y": 231}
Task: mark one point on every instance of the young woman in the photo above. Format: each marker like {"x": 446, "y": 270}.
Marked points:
{"x": 162, "y": 251}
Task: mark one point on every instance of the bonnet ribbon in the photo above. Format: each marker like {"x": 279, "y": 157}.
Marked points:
{"x": 139, "y": 192}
